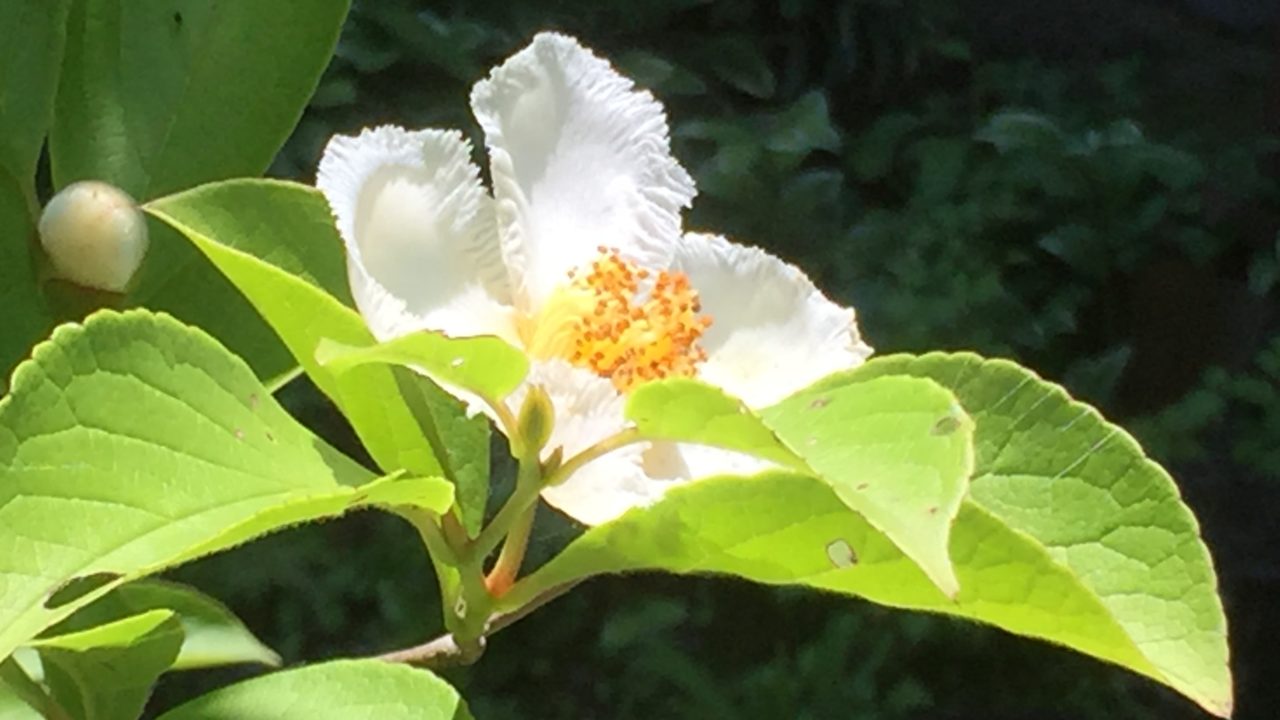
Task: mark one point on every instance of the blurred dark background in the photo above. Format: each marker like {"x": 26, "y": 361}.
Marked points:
{"x": 1091, "y": 187}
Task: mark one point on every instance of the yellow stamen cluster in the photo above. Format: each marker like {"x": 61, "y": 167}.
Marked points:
{"x": 623, "y": 323}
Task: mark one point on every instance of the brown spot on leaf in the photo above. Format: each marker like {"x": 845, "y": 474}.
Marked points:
{"x": 945, "y": 425}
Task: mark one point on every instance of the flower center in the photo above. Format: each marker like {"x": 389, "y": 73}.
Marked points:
{"x": 621, "y": 322}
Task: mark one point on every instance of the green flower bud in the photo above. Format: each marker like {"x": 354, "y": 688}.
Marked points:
{"x": 95, "y": 235}
{"x": 537, "y": 418}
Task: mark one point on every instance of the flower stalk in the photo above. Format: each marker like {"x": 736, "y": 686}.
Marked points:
{"x": 507, "y": 567}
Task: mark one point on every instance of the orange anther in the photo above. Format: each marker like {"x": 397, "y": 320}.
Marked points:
{"x": 624, "y": 333}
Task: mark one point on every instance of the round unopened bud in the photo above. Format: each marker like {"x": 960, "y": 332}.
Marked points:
{"x": 94, "y": 234}
{"x": 537, "y": 418}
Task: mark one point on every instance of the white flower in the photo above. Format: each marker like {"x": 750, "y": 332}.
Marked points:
{"x": 579, "y": 258}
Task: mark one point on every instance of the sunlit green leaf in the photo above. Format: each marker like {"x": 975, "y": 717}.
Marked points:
{"x": 897, "y": 450}
{"x": 1069, "y": 534}
{"x": 131, "y": 443}
{"x": 486, "y": 366}
{"x": 1055, "y": 470}
{"x": 687, "y": 410}
{"x": 341, "y": 690}
{"x": 176, "y": 279}
{"x": 277, "y": 243}
{"x": 787, "y": 529}
{"x": 106, "y": 672}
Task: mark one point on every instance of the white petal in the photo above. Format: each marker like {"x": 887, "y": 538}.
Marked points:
{"x": 772, "y": 331}
{"x": 682, "y": 462}
{"x": 588, "y": 409}
{"x": 421, "y": 242}
{"x": 605, "y": 488}
{"x": 579, "y": 159}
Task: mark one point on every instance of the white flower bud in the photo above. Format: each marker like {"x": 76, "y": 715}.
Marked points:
{"x": 94, "y": 234}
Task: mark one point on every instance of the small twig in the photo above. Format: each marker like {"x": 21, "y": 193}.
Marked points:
{"x": 441, "y": 652}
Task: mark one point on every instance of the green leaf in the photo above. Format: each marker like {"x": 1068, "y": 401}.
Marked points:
{"x": 897, "y": 450}
{"x": 132, "y": 443}
{"x": 25, "y": 316}
{"x": 874, "y": 153}
{"x": 160, "y": 95}
{"x": 739, "y": 61}
{"x": 20, "y": 695}
{"x": 176, "y": 279}
{"x": 106, "y": 672}
{"x": 486, "y": 366}
{"x": 32, "y": 35}
{"x": 278, "y": 245}
{"x": 276, "y": 242}
{"x": 1054, "y": 470}
{"x": 339, "y": 690}
{"x": 212, "y": 635}
{"x": 12, "y": 707}
{"x": 1010, "y": 130}
{"x": 782, "y": 528}
{"x": 685, "y": 410}
{"x": 805, "y": 126}
{"x": 943, "y": 162}
{"x": 654, "y": 71}
{"x": 461, "y": 443}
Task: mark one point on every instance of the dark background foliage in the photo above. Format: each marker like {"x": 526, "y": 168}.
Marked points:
{"x": 1091, "y": 187}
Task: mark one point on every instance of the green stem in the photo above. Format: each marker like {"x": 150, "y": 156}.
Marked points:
{"x": 507, "y": 421}
{"x": 522, "y": 500}
{"x": 428, "y": 527}
{"x": 604, "y": 447}
{"x": 469, "y": 596}
{"x": 467, "y": 602}
{"x": 529, "y": 483}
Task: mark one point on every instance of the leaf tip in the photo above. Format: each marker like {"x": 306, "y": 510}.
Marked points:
{"x": 944, "y": 578}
